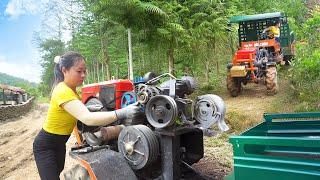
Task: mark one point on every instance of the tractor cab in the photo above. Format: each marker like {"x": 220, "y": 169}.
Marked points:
{"x": 250, "y": 33}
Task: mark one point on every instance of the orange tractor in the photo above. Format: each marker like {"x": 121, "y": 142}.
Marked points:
{"x": 258, "y": 54}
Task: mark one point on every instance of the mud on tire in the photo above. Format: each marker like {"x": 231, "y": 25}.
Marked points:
{"x": 233, "y": 86}
{"x": 271, "y": 80}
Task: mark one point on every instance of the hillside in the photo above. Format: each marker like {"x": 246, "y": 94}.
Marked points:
{"x": 14, "y": 81}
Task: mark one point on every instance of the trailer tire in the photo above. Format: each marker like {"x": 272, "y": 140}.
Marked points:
{"x": 271, "y": 80}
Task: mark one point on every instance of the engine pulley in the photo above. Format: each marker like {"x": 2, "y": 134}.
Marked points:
{"x": 146, "y": 92}
{"x": 93, "y": 105}
{"x": 139, "y": 145}
{"x": 210, "y": 109}
{"x": 161, "y": 111}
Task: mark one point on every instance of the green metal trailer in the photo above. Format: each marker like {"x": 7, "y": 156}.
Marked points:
{"x": 284, "y": 146}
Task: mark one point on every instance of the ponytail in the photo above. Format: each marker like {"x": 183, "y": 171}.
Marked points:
{"x": 58, "y": 75}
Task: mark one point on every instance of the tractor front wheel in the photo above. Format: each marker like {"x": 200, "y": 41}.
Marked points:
{"x": 271, "y": 80}
{"x": 233, "y": 86}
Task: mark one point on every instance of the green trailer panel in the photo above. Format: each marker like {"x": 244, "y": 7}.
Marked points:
{"x": 284, "y": 146}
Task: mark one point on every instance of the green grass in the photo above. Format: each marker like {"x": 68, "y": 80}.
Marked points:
{"x": 288, "y": 99}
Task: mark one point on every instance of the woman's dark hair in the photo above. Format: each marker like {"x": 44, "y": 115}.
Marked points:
{"x": 277, "y": 21}
{"x": 67, "y": 60}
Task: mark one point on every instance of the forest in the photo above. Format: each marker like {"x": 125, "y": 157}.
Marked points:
{"x": 176, "y": 36}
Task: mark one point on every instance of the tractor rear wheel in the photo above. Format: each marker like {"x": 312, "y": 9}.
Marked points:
{"x": 271, "y": 80}
{"x": 233, "y": 86}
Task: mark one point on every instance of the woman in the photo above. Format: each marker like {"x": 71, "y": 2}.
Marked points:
{"x": 65, "y": 109}
{"x": 274, "y": 31}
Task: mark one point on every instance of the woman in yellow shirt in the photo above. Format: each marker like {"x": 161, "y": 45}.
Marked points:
{"x": 65, "y": 109}
{"x": 274, "y": 31}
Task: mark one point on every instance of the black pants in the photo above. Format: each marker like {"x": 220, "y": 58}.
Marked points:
{"x": 49, "y": 152}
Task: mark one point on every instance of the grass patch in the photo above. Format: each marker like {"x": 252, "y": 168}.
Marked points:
{"x": 239, "y": 122}
{"x": 220, "y": 149}
{"x": 288, "y": 98}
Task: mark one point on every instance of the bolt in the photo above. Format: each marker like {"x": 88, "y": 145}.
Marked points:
{"x": 129, "y": 147}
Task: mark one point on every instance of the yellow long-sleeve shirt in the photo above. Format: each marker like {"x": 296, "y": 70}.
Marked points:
{"x": 58, "y": 120}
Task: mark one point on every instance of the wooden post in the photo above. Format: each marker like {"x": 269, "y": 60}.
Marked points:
{"x": 130, "y": 55}
{"x": 4, "y": 97}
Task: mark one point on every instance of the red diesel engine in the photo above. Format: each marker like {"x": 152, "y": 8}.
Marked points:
{"x": 108, "y": 92}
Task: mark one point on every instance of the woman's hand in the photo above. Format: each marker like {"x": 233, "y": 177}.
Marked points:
{"x": 128, "y": 112}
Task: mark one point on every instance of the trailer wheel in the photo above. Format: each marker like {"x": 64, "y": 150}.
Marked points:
{"x": 271, "y": 80}
{"x": 77, "y": 172}
{"x": 233, "y": 86}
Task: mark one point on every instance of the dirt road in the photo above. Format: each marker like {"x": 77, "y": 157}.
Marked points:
{"x": 16, "y": 137}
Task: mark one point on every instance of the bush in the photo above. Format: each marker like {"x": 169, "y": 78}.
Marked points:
{"x": 305, "y": 71}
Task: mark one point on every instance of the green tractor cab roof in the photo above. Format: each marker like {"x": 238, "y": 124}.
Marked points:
{"x": 237, "y": 19}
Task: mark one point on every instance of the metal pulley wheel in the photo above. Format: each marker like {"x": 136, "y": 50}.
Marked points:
{"x": 146, "y": 92}
{"x": 93, "y": 105}
{"x": 210, "y": 109}
{"x": 143, "y": 97}
{"x": 152, "y": 91}
{"x": 140, "y": 88}
{"x": 128, "y": 98}
{"x": 88, "y": 132}
{"x": 139, "y": 145}
{"x": 161, "y": 111}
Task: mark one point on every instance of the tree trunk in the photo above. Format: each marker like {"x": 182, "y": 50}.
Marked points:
{"x": 102, "y": 70}
{"x": 143, "y": 64}
{"x": 118, "y": 72}
{"x": 215, "y": 52}
{"x": 170, "y": 60}
{"x": 98, "y": 71}
{"x": 207, "y": 64}
{"x": 94, "y": 72}
{"x": 130, "y": 73}
{"x": 217, "y": 65}
{"x": 159, "y": 63}
{"x": 105, "y": 53}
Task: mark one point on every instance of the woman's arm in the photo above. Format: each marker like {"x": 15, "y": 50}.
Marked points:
{"x": 77, "y": 109}
{"x": 266, "y": 29}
